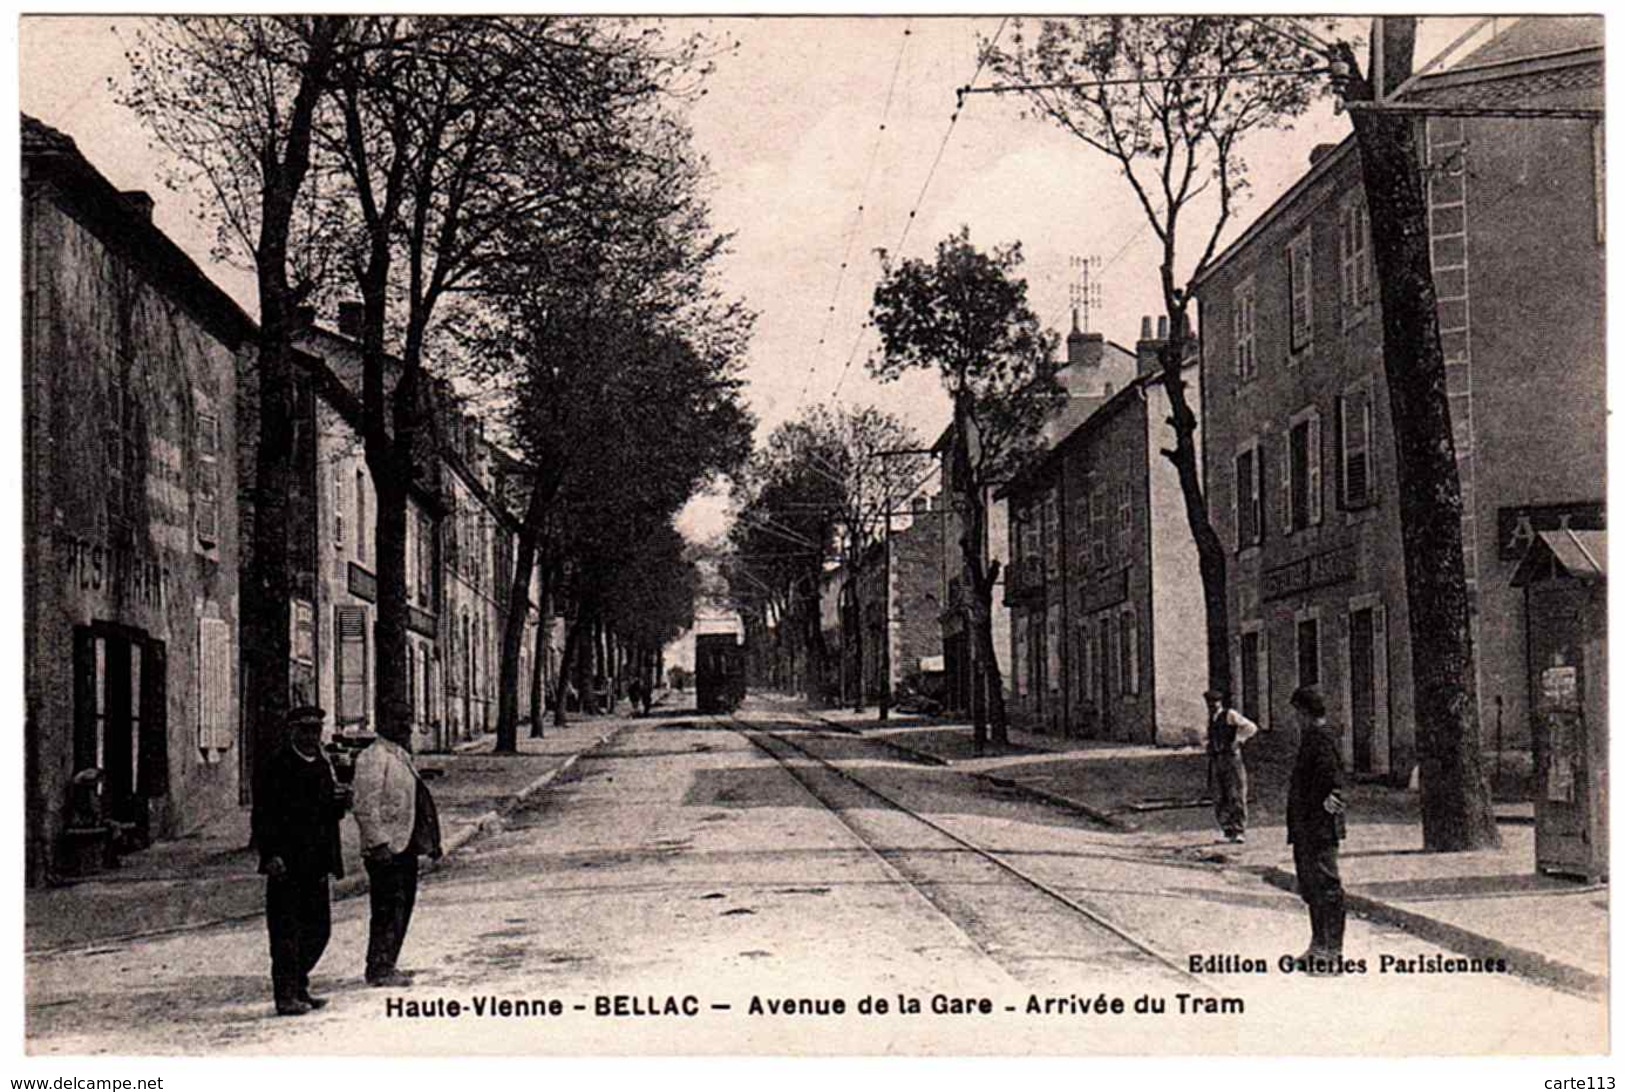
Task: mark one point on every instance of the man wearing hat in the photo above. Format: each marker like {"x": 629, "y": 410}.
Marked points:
{"x": 396, "y": 815}
{"x": 1227, "y": 730}
{"x": 1315, "y": 826}
{"x": 296, "y": 827}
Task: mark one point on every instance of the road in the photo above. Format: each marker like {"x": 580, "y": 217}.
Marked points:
{"x": 692, "y": 880}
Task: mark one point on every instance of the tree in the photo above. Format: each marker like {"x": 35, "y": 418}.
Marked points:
{"x": 966, "y": 315}
{"x": 825, "y": 487}
{"x": 1171, "y": 100}
{"x": 236, "y": 101}
{"x": 1457, "y": 812}
{"x": 455, "y": 131}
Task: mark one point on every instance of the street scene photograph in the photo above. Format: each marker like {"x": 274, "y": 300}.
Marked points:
{"x": 975, "y": 535}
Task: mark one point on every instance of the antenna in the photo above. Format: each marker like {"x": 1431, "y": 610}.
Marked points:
{"x": 1085, "y": 290}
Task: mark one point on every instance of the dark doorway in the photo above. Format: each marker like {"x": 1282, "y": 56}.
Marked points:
{"x": 121, "y": 722}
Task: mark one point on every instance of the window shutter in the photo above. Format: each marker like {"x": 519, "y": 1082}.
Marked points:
{"x": 152, "y": 771}
{"x": 1314, "y": 469}
{"x": 1340, "y": 450}
{"x": 214, "y": 684}
{"x": 351, "y": 626}
{"x": 1295, "y": 479}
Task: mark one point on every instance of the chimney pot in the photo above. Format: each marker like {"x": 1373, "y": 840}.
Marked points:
{"x": 140, "y": 202}
{"x": 1145, "y": 327}
{"x": 351, "y": 314}
{"x": 1162, "y": 327}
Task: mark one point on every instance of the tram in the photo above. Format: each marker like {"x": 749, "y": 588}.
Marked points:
{"x": 719, "y": 672}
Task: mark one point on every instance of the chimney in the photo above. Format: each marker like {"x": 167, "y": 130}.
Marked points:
{"x": 1146, "y": 358}
{"x": 350, "y": 318}
{"x": 139, "y": 202}
{"x": 1319, "y": 152}
{"x": 1084, "y": 350}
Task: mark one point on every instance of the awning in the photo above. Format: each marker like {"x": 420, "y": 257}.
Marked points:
{"x": 1580, "y": 554}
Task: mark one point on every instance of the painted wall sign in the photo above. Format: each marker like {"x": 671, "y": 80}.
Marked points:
{"x": 1516, "y": 527}
{"x": 1314, "y": 571}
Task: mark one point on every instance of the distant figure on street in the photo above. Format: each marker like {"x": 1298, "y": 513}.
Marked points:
{"x": 297, "y": 808}
{"x": 399, "y": 823}
{"x": 634, "y": 694}
{"x": 1227, "y": 730}
{"x": 1315, "y": 826}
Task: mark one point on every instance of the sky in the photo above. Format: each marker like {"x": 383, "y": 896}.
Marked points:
{"x": 823, "y": 135}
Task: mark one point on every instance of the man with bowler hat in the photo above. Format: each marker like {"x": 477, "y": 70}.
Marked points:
{"x": 1227, "y": 730}
{"x": 396, "y": 815}
{"x": 296, "y": 827}
{"x": 1315, "y": 826}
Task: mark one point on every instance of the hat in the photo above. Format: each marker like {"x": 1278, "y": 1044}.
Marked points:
{"x": 304, "y": 714}
{"x": 1308, "y": 699}
{"x": 1214, "y": 695}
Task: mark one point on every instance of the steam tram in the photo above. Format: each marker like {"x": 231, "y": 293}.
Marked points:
{"x": 719, "y": 672}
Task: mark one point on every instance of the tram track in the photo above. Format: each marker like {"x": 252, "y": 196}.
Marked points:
{"x": 1123, "y": 950}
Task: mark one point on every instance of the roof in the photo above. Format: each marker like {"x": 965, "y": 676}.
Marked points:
{"x": 1042, "y": 466}
{"x": 51, "y": 157}
{"x": 1537, "y": 36}
{"x": 1580, "y": 554}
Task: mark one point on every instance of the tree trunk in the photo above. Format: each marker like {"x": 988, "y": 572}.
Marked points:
{"x": 513, "y": 624}
{"x": 1456, "y": 808}
{"x": 393, "y": 709}
{"x": 855, "y": 582}
{"x": 538, "y": 667}
{"x": 1210, "y": 556}
{"x": 568, "y": 670}
{"x": 979, "y": 580}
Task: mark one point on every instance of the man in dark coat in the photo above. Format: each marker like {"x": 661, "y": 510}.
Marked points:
{"x": 297, "y": 807}
{"x": 1315, "y": 826}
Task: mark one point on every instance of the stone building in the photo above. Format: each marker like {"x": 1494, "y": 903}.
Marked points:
{"x": 1297, "y": 430}
{"x": 1103, "y": 587}
{"x": 130, "y": 533}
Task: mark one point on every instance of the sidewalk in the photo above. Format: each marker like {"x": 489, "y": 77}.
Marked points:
{"x": 1487, "y": 904}
{"x": 211, "y": 875}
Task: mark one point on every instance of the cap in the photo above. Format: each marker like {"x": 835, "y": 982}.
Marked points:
{"x": 305, "y": 714}
{"x": 1308, "y": 699}
{"x": 1213, "y": 695}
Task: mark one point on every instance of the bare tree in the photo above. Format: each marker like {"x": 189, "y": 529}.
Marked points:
{"x": 1170, "y": 99}
{"x": 235, "y": 101}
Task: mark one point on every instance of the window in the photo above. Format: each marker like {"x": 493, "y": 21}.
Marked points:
{"x": 1299, "y": 268}
{"x": 1308, "y": 650}
{"x": 1129, "y": 657}
{"x": 121, "y": 716}
{"x": 1080, "y": 520}
{"x": 1125, "y": 519}
{"x": 302, "y": 631}
{"x": 1086, "y": 664}
{"x": 350, "y": 627}
{"x": 425, "y": 530}
{"x": 207, "y": 504}
{"x": 1249, "y": 498}
{"x": 1354, "y": 485}
{"x": 1243, "y": 323}
{"x": 1303, "y": 472}
{"x": 1098, "y": 549}
{"x": 1354, "y": 236}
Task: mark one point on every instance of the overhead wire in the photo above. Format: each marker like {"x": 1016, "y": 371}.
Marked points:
{"x": 863, "y": 196}
{"x": 930, "y": 175}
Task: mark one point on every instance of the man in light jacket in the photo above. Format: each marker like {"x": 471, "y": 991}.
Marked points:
{"x": 396, "y": 816}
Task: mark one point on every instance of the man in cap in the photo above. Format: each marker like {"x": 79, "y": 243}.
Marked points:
{"x": 1227, "y": 730}
{"x": 1315, "y": 826}
{"x": 396, "y": 816}
{"x": 296, "y": 827}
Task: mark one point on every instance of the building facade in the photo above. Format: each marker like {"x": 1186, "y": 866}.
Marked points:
{"x": 1103, "y": 587}
{"x": 130, "y": 533}
{"x": 1298, "y": 435}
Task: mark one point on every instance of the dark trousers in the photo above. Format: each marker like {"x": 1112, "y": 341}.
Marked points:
{"x": 393, "y": 888}
{"x": 1229, "y": 792}
{"x": 1320, "y": 884}
{"x": 298, "y": 917}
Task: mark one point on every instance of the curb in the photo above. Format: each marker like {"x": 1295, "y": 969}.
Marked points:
{"x": 350, "y": 886}
{"x": 1519, "y": 961}
{"x": 923, "y": 757}
{"x": 1105, "y": 818}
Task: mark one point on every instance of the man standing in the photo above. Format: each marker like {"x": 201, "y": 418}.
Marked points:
{"x": 1315, "y": 825}
{"x": 296, "y": 827}
{"x": 396, "y": 816}
{"x": 1227, "y": 730}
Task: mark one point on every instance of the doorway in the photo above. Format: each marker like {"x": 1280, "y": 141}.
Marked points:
{"x": 1363, "y": 686}
{"x": 121, "y": 723}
